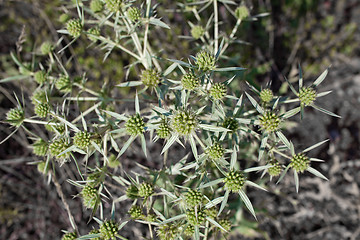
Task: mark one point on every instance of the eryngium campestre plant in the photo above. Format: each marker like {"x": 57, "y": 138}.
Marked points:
{"x": 193, "y": 198}
{"x": 46, "y": 48}
{"x": 74, "y": 27}
{"x": 234, "y": 181}
{"x": 205, "y": 61}
{"x": 113, "y": 5}
{"x": 218, "y": 91}
{"x": 96, "y": 6}
{"x": 63, "y": 84}
{"x": 195, "y": 217}
{"x": 215, "y": 152}
{"x": 190, "y": 82}
{"x": 135, "y": 125}
{"x": 133, "y": 13}
{"x": 197, "y": 31}
{"x": 167, "y": 231}
{"x": 135, "y": 212}
{"x": 145, "y": 190}
{"x": 266, "y": 95}
{"x": 42, "y": 110}
{"x": 40, "y": 147}
{"x": 109, "y": 230}
{"x": 58, "y": 146}
{"x": 242, "y": 12}
{"x": 269, "y": 122}
{"x": 40, "y": 77}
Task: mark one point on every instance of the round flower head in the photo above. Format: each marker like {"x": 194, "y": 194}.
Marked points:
{"x": 275, "y": 168}
{"x": 215, "y": 152}
{"x": 89, "y": 196}
{"x": 82, "y": 139}
{"x": 242, "y": 12}
{"x": 69, "y": 236}
{"x": 231, "y": 124}
{"x": 195, "y": 218}
{"x": 145, "y": 190}
{"x": 150, "y": 77}
{"x": 218, "y": 91}
{"x": 189, "y": 230}
{"x": 269, "y": 122}
{"x": 135, "y": 125}
{"x": 113, "y": 5}
{"x": 39, "y": 96}
{"x": 211, "y": 212}
{"x": 58, "y": 128}
{"x": 197, "y": 31}
{"x": 226, "y": 224}
{"x": 15, "y": 117}
{"x": 41, "y": 167}
{"x": 184, "y": 122}
{"x": 40, "y": 147}
{"x": 109, "y": 230}
{"x": 96, "y": 6}
{"x": 63, "y": 18}
{"x": 205, "y": 61}
{"x": 193, "y": 198}
{"x": 133, "y": 13}
{"x": 234, "y": 181}
{"x": 63, "y": 84}
{"x": 266, "y": 95}
{"x": 190, "y": 82}
{"x": 132, "y": 192}
{"x": 113, "y": 162}
{"x": 46, "y": 48}
{"x": 25, "y": 69}
{"x": 135, "y": 212}
{"x": 300, "y": 162}
{"x": 95, "y": 231}
{"x": 93, "y": 31}
{"x": 58, "y": 146}
{"x": 163, "y": 130}
{"x": 74, "y": 27}
{"x": 307, "y": 95}
{"x": 167, "y": 231}
{"x": 42, "y": 109}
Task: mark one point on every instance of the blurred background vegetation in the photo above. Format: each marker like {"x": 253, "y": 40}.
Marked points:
{"x": 313, "y": 33}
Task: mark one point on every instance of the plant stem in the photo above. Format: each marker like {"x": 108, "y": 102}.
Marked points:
{"x": 216, "y": 27}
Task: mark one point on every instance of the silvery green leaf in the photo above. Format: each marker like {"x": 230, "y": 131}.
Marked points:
{"x": 316, "y": 160}
{"x": 212, "y": 183}
{"x": 315, "y": 145}
{"x": 167, "y": 193}
{"x": 325, "y": 111}
{"x": 126, "y": 145}
{"x": 245, "y": 120}
{"x": 197, "y": 233}
{"x": 143, "y": 144}
{"x": 292, "y": 148}
{"x": 316, "y": 173}
{"x": 255, "y": 104}
{"x": 13, "y": 78}
{"x": 224, "y": 202}
{"x": 227, "y": 69}
{"x": 170, "y": 69}
{"x": 72, "y": 126}
{"x": 296, "y": 178}
{"x": 323, "y": 94}
{"x": 247, "y": 202}
{"x": 130, "y": 84}
{"x": 291, "y": 86}
{"x": 255, "y": 169}
{"x": 227, "y": 82}
{"x": 213, "y": 128}
{"x": 238, "y": 105}
{"x": 276, "y": 103}
{"x": 161, "y": 110}
{"x": 283, "y": 139}
{"x": 263, "y": 146}
{"x": 300, "y": 77}
{"x": 233, "y": 158}
{"x": 193, "y": 146}
{"x": 116, "y": 115}
{"x": 181, "y": 63}
{"x": 215, "y": 223}
{"x": 137, "y": 105}
{"x": 170, "y": 142}
{"x": 158, "y": 22}
{"x": 291, "y": 113}
{"x": 321, "y": 78}
{"x": 120, "y": 199}
{"x": 174, "y": 218}
{"x": 283, "y": 174}
{"x": 89, "y": 236}
{"x": 214, "y": 202}
{"x": 255, "y": 185}
{"x": 228, "y": 2}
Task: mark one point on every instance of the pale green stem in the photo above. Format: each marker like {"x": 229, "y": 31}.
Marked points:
{"x": 280, "y": 153}
{"x": 86, "y": 89}
{"x": 86, "y": 112}
{"x": 119, "y": 46}
{"x": 39, "y": 122}
{"x": 238, "y": 22}
{"x": 216, "y": 27}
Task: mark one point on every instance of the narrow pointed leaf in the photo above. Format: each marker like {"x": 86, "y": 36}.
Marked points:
{"x": 300, "y": 77}
{"x": 174, "y": 218}
{"x": 291, "y": 86}
{"x": 233, "y": 158}
{"x": 291, "y": 113}
{"x": 126, "y": 145}
{"x": 224, "y": 202}
{"x": 316, "y": 173}
{"x": 247, "y": 202}
{"x": 255, "y": 104}
{"x": 325, "y": 111}
{"x": 130, "y": 84}
{"x": 263, "y": 146}
{"x": 315, "y": 145}
{"x": 170, "y": 142}
{"x": 137, "y": 104}
{"x": 296, "y": 178}
{"x": 143, "y": 144}
{"x": 193, "y": 146}
{"x": 321, "y": 78}
{"x": 283, "y": 139}
{"x": 255, "y": 185}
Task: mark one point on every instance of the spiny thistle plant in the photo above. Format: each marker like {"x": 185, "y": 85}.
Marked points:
{"x": 188, "y": 102}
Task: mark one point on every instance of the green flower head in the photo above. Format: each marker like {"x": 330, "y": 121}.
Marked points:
{"x": 96, "y": 6}
{"x": 300, "y": 162}
{"x": 275, "y": 169}
{"x": 193, "y": 198}
{"x": 63, "y": 84}
{"x": 266, "y": 95}
{"x": 197, "y": 31}
{"x": 211, "y": 212}
{"x": 40, "y": 147}
{"x": 135, "y": 125}
{"x": 41, "y": 167}
{"x": 132, "y": 192}
{"x": 109, "y": 230}
{"x": 46, "y": 48}
{"x": 205, "y": 61}
{"x": 42, "y": 110}
{"x": 40, "y": 96}
{"x": 242, "y": 12}
{"x": 189, "y": 230}
{"x": 82, "y": 139}
{"x": 74, "y": 27}
{"x": 167, "y": 231}
{"x": 40, "y": 77}
{"x": 63, "y": 18}
{"x": 15, "y": 117}
{"x": 231, "y": 124}
{"x": 145, "y": 190}
{"x": 135, "y": 212}
{"x": 113, "y": 162}
{"x": 133, "y": 13}
{"x": 184, "y": 122}
{"x": 113, "y": 5}
{"x": 95, "y": 231}
{"x": 234, "y": 181}
{"x": 215, "y": 152}
{"x": 195, "y": 218}
{"x": 269, "y": 122}
{"x": 94, "y": 31}
{"x": 190, "y": 82}
{"x": 307, "y": 95}
{"x": 163, "y": 130}
{"x": 69, "y": 236}
{"x": 218, "y": 91}
{"x": 150, "y": 77}
{"x": 89, "y": 196}
{"x": 226, "y": 224}
{"x": 58, "y": 146}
